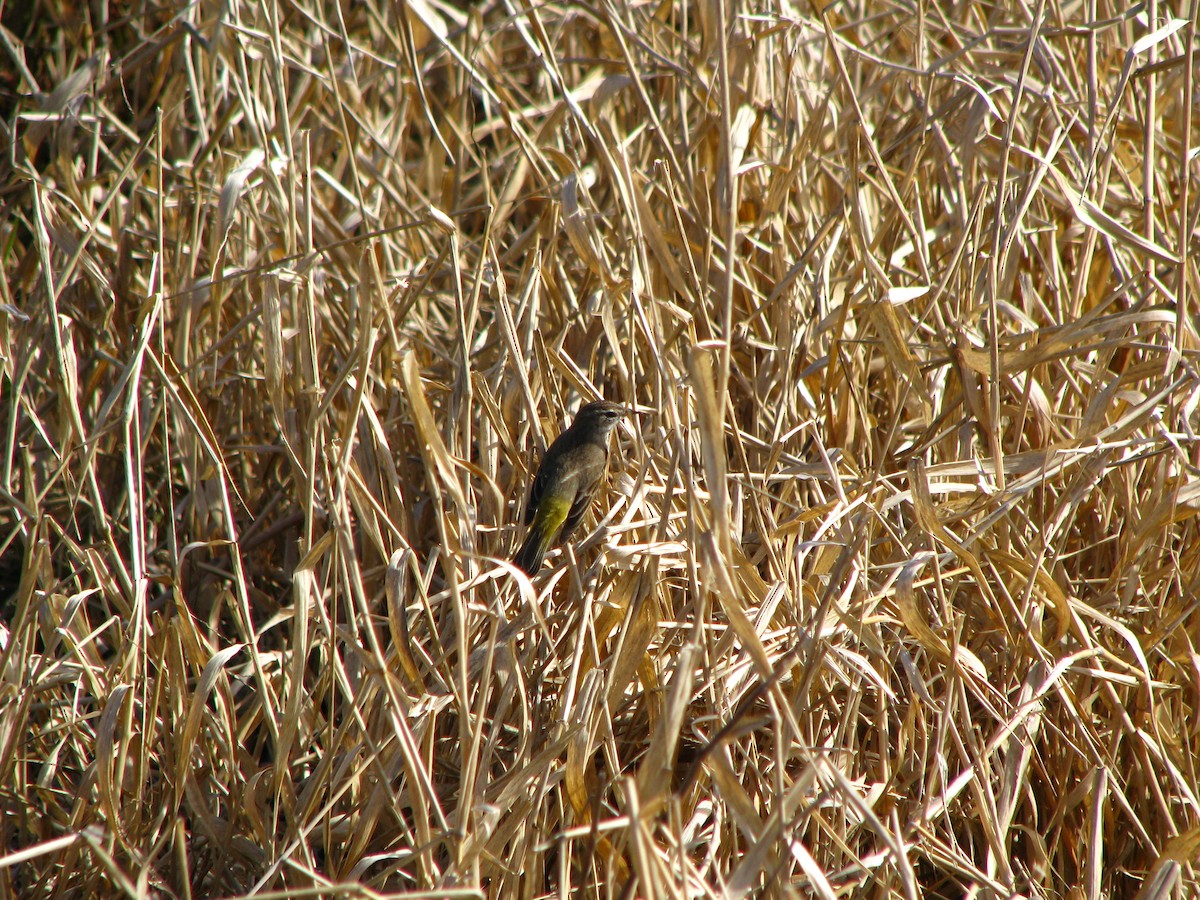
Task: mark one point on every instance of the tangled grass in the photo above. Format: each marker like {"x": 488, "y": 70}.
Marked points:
{"x": 893, "y": 588}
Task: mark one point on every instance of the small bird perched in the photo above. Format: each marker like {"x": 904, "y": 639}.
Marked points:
{"x": 566, "y": 481}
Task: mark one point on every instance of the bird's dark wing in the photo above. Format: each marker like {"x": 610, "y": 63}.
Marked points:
{"x": 547, "y": 472}
{"x": 582, "y": 501}
{"x": 589, "y": 461}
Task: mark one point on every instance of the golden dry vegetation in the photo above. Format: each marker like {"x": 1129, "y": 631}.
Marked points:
{"x": 893, "y": 588}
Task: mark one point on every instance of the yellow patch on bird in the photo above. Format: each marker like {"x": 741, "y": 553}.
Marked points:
{"x": 550, "y": 515}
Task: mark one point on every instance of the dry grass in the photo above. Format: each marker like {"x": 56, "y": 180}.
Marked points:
{"x": 893, "y": 592}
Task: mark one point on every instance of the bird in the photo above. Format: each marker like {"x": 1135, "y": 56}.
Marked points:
{"x": 566, "y": 481}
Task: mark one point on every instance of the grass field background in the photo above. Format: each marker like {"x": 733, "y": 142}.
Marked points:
{"x": 892, "y": 590}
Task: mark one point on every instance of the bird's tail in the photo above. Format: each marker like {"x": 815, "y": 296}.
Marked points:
{"x": 529, "y": 557}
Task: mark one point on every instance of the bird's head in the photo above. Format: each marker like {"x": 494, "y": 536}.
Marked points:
{"x": 600, "y": 416}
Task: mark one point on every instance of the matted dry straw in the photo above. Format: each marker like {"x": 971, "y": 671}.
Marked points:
{"x": 892, "y": 590}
